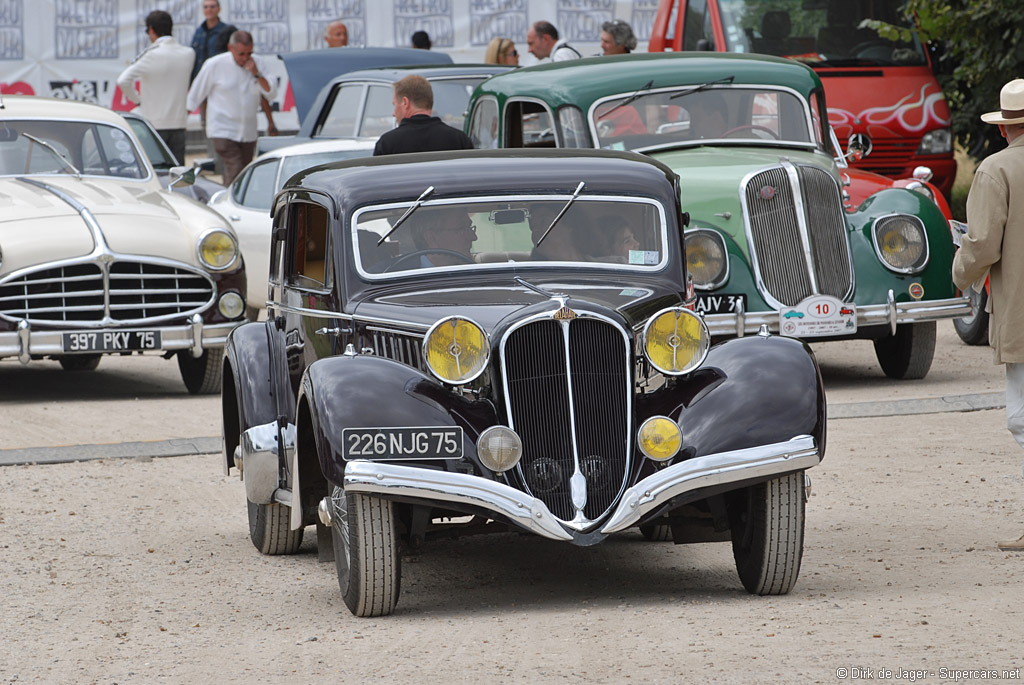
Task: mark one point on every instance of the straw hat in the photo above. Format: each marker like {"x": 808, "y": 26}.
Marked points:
{"x": 1011, "y": 104}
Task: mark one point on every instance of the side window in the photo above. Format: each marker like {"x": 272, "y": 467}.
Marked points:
{"x": 309, "y": 256}
{"x": 258, "y": 191}
{"x": 92, "y": 163}
{"x": 379, "y": 114}
{"x": 483, "y": 127}
{"x": 341, "y": 118}
{"x": 697, "y": 25}
{"x": 574, "y": 128}
{"x": 528, "y": 124}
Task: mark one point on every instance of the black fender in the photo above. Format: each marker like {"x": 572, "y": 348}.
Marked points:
{"x": 354, "y": 391}
{"x": 749, "y": 391}
{"x": 247, "y": 395}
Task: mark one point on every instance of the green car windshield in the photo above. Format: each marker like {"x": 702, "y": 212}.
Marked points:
{"x": 487, "y": 233}
{"x": 685, "y": 115}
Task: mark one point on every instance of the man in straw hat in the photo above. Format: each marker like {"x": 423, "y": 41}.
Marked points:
{"x": 994, "y": 245}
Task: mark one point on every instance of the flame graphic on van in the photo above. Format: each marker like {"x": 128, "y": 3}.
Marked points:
{"x": 924, "y": 108}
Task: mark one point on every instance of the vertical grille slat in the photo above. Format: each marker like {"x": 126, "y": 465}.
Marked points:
{"x": 542, "y": 411}
{"x": 827, "y": 232}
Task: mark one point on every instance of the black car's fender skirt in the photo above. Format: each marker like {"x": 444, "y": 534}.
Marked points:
{"x": 247, "y": 397}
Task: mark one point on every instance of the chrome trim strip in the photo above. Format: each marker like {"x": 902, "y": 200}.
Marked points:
{"x": 714, "y": 469}
{"x": 25, "y": 341}
{"x": 890, "y": 302}
{"x": 443, "y": 486}
{"x": 197, "y": 335}
{"x": 99, "y": 242}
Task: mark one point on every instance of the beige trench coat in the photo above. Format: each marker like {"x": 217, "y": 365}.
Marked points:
{"x": 995, "y": 242}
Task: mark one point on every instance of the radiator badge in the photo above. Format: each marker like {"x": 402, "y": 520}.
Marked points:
{"x": 916, "y": 291}
{"x": 767, "y": 192}
{"x": 564, "y": 314}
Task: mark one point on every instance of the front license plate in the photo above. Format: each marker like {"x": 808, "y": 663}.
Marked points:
{"x": 720, "y": 303}
{"x": 111, "y": 341}
{"x": 818, "y": 315}
{"x": 440, "y": 442}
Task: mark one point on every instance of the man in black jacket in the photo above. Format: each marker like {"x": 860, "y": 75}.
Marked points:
{"x": 418, "y": 131}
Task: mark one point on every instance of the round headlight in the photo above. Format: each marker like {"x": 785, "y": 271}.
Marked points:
{"x": 659, "y": 438}
{"x": 706, "y": 260}
{"x": 456, "y": 350}
{"x": 231, "y": 305}
{"x": 676, "y": 341}
{"x": 900, "y": 243}
{"x": 499, "y": 448}
{"x": 217, "y": 250}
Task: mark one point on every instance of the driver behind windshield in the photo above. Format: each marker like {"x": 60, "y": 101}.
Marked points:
{"x": 440, "y": 231}
{"x": 707, "y": 115}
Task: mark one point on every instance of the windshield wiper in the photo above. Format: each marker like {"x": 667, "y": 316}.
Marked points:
{"x": 58, "y": 155}
{"x": 703, "y": 86}
{"x": 408, "y": 212}
{"x": 631, "y": 98}
{"x": 565, "y": 209}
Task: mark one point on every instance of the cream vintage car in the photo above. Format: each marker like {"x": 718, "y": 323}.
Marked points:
{"x": 96, "y": 257}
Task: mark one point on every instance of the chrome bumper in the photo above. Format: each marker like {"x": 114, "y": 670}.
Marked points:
{"x": 195, "y": 336}
{"x": 890, "y": 314}
{"x": 530, "y": 513}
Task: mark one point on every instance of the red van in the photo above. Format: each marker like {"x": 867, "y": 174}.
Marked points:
{"x": 881, "y": 90}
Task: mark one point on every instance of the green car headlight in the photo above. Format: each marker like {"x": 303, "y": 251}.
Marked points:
{"x": 706, "y": 259}
{"x": 901, "y": 243}
{"x": 676, "y": 341}
{"x": 217, "y": 250}
{"x": 456, "y": 350}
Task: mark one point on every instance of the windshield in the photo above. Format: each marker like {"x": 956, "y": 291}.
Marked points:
{"x": 445, "y": 236}
{"x": 94, "y": 149}
{"x": 749, "y": 113}
{"x": 823, "y": 32}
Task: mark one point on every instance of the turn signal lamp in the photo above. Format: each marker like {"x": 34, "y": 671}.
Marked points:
{"x": 499, "y": 448}
{"x": 456, "y": 350}
{"x": 676, "y": 341}
{"x": 659, "y": 438}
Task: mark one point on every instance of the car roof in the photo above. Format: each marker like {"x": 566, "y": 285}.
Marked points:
{"x": 581, "y": 82}
{"x": 37, "y": 107}
{"x": 325, "y": 145}
{"x": 373, "y": 180}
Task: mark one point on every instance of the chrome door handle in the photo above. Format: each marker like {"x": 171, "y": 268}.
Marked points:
{"x": 235, "y": 217}
{"x": 328, "y": 331}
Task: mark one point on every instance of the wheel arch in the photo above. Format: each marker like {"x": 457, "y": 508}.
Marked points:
{"x": 247, "y": 397}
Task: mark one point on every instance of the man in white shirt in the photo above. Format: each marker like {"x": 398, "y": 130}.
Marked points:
{"x": 163, "y": 70}
{"x": 231, "y": 84}
{"x": 543, "y": 43}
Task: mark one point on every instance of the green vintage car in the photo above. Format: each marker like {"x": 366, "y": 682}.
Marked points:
{"x": 779, "y": 224}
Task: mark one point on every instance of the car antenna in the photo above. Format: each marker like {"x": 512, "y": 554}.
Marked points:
{"x": 703, "y": 86}
{"x": 413, "y": 208}
{"x": 52, "y": 149}
{"x": 631, "y": 98}
{"x": 568, "y": 204}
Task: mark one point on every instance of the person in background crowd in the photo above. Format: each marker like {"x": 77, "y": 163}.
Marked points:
{"x": 163, "y": 71}
{"x": 211, "y": 37}
{"x": 501, "y": 51}
{"x": 617, "y": 38}
{"x": 421, "y": 40}
{"x": 994, "y": 245}
{"x": 417, "y": 130}
{"x": 336, "y": 35}
{"x": 232, "y": 84}
{"x": 543, "y": 43}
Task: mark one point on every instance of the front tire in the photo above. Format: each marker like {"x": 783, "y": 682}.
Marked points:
{"x": 768, "y": 534}
{"x": 908, "y": 354}
{"x": 202, "y": 375}
{"x": 366, "y": 552}
{"x": 656, "y": 532}
{"x": 79, "y": 362}
{"x": 270, "y": 529}
{"x": 973, "y": 329}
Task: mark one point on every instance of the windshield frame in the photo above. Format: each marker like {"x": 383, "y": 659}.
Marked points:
{"x": 351, "y": 226}
{"x": 804, "y": 103}
{"x": 140, "y": 154}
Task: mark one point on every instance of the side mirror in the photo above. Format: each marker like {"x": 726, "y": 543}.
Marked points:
{"x": 858, "y": 147}
{"x": 205, "y": 164}
{"x": 181, "y": 174}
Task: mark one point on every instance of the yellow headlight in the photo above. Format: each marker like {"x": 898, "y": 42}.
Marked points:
{"x": 660, "y": 438}
{"x": 901, "y": 243}
{"x": 705, "y": 258}
{"x": 456, "y": 350}
{"x": 676, "y": 341}
{"x": 217, "y": 250}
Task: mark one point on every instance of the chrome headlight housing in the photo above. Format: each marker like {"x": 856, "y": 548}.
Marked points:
{"x": 456, "y": 350}
{"x": 217, "y": 249}
{"x": 901, "y": 243}
{"x": 676, "y": 341}
{"x": 659, "y": 438}
{"x": 937, "y": 142}
{"x": 706, "y": 258}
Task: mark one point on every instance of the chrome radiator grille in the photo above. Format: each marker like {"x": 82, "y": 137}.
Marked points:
{"x": 86, "y": 294}
{"x": 572, "y": 412}
{"x": 398, "y": 346}
{"x": 782, "y": 232}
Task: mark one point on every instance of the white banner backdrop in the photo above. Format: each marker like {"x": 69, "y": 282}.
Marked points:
{"x": 75, "y": 49}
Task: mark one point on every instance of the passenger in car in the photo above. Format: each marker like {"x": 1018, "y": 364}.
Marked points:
{"x": 614, "y": 239}
{"x": 560, "y": 243}
{"x": 448, "y": 229}
{"x": 707, "y": 116}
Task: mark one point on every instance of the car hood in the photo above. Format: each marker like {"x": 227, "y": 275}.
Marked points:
{"x": 37, "y": 226}
{"x": 491, "y": 301}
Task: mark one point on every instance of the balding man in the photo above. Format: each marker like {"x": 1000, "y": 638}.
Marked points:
{"x": 231, "y": 84}
{"x": 417, "y": 130}
{"x": 336, "y": 35}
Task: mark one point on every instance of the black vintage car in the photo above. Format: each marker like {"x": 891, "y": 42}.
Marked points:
{"x": 502, "y": 339}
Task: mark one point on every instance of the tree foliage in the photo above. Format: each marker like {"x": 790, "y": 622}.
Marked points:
{"x": 978, "y": 45}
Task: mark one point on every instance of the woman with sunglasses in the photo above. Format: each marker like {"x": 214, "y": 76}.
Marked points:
{"x": 501, "y": 51}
